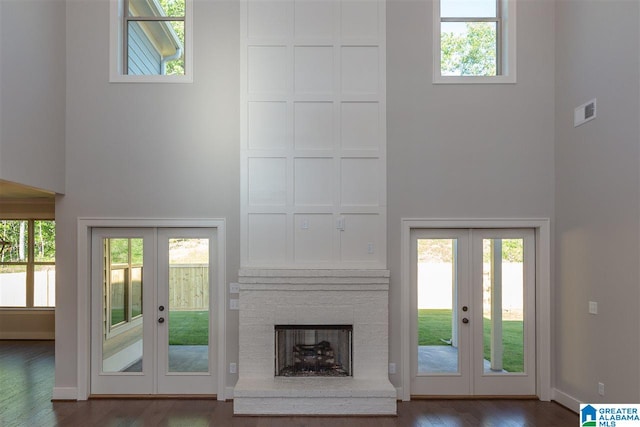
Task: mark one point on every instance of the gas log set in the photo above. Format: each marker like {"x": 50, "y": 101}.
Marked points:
{"x": 313, "y": 350}
{"x": 314, "y": 360}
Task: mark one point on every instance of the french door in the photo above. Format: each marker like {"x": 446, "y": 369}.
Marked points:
{"x": 152, "y": 319}
{"x": 473, "y": 312}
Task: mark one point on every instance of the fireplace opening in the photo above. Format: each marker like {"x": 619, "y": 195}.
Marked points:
{"x": 313, "y": 350}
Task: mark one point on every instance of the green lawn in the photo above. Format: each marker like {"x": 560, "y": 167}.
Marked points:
{"x": 435, "y": 325}
{"x": 188, "y": 327}
{"x": 185, "y": 327}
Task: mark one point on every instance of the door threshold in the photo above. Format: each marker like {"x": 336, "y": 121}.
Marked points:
{"x": 473, "y": 397}
{"x": 154, "y": 396}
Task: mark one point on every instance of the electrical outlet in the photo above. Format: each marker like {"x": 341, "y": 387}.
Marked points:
{"x": 234, "y": 288}
{"x": 234, "y": 304}
{"x": 370, "y": 248}
{"x": 593, "y": 307}
{"x": 392, "y": 368}
{"x": 601, "y": 389}
{"x": 233, "y": 368}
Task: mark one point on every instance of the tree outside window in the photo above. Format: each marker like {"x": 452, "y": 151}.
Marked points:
{"x": 474, "y": 41}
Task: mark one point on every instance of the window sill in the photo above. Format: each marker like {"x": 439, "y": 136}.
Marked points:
{"x": 120, "y": 78}
{"x": 26, "y": 310}
{"x": 444, "y": 80}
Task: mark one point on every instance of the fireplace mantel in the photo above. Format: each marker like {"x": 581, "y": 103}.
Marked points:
{"x": 314, "y": 297}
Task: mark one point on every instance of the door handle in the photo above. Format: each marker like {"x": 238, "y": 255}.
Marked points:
{"x": 465, "y": 320}
{"x": 161, "y": 320}
{"x": 161, "y": 308}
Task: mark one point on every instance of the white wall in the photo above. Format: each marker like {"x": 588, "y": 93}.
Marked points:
{"x": 461, "y": 151}
{"x": 453, "y": 151}
{"x": 147, "y": 150}
{"x": 597, "y": 201}
{"x": 32, "y": 84}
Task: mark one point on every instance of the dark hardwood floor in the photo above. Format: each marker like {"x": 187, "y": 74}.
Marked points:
{"x": 26, "y": 381}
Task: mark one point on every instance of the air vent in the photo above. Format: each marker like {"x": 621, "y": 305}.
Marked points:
{"x": 584, "y": 113}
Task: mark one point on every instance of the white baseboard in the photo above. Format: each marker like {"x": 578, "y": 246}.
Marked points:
{"x": 399, "y": 393}
{"x": 64, "y": 393}
{"x": 37, "y": 335}
{"x": 228, "y": 393}
{"x": 566, "y": 400}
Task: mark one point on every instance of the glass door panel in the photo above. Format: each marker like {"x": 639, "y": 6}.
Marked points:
{"x": 503, "y": 305}
{"x": 186, "y": 277}
{"x": 122, "y": 342}
{"x": 504, "y": 328}
{"x": 440, "y": 356}
{"x": 188, "y": 305}
{"x": 437, "y": 328}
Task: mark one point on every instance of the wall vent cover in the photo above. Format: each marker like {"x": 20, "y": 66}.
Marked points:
{"x": 584, "y": 113}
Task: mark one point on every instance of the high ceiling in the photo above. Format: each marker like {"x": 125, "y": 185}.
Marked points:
{"x": 10, "y": 190}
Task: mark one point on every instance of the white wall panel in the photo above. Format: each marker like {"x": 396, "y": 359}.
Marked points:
{"x": 267, "y": 19}
{"x": 313, "y": 181}
{"x": 267, "y": 69}
{"x": 313, "y": 241}
{"x": 314, "y": 69}
{"x": 360, "y": 125}
{"x": 360, "y": 20}
{"x": 267, "y": 181}
{"x": 360, "y": 70}
{"x": 267, "y": 238}
{"x": 313, "y": 125}
{"x": 314, "y": 19}
{"x": 268, "y": 125}
{"x": 313, "y": 133}
{"x": 361, "y": 239}
{"x": 359, "y": 184}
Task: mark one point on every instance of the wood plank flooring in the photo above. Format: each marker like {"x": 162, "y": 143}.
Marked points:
{"x": 26, "y": 381}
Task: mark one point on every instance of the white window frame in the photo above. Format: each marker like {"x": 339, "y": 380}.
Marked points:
{"x": 116, "y": 33}
{"x": 30, "y": 265}
{"x": 506, "y": 54}
{"x": 130, "y": 321}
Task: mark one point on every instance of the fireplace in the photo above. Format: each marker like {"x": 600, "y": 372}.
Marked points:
{"x": 320, "y": 315}
{"x": 313, "y": 350}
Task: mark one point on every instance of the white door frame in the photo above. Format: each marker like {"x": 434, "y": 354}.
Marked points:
{"x": 543, "y": 290}
{"x": 84, "y": 227}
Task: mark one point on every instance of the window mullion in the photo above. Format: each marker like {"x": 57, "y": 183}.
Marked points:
{"x": 156, "y": 18}
{"x": 125, "y": 38}
{"x": 30, "y": 268}
{"x": 470, "y": 19}
{"x": 499, "y": 57}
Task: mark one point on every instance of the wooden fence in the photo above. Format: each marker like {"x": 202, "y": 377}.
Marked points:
{"x": 189, "y": 287}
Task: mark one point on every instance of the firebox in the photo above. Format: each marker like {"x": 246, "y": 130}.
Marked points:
{"x": 313, "y": 350}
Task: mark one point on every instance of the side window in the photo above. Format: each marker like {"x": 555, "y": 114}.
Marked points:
{"x": 27, "y": 263}
{"x": 151, "y": 41}
{"x": 474, "y": 41}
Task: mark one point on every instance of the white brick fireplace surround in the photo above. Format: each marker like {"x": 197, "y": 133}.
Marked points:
{"x": 314, "y": 297}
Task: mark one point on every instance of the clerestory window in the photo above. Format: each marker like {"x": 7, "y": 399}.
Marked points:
{"x": 474, "y": 41}
{"x": 151, "y": 41}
